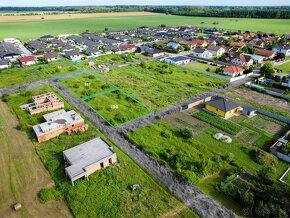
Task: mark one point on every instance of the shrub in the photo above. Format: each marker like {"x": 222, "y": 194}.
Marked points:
{"x": 91, "y": 77}
{"x": 49, "y": 194}
{"x": 263, "y": 157}
{"x": 229, "y": 157}
{"x": 187, "y": 133}
{"x": 5, "y": 97}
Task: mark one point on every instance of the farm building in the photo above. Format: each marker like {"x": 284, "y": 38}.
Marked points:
{"x": 45, "y": 102}
{"x": 222, "y": 107}
{"x": 87, "y": 158}
{"x": 59, "y": 122}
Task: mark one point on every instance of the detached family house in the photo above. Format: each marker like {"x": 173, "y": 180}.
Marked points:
{"x": 233, "y": 71}
{"x": 282, "y": 49}
{"x": 216, "y": 50}
{"x": 242, "y": 60}
{"x": 51, "y": 57}
{"x": 173, "y": 45}
{"x": 222, "y": 107}
{"x": 28, "y": 60}
{"x": 265, "y": 53}
{"x": 202, "y": 53}
{"x": 87, "y": 158}
{"x": 73, "y": 55}
{"x": 4, "y": 64}
{"x": 180, "y": 60}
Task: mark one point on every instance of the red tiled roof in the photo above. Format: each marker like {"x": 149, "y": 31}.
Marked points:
{"x": 199, "y": 41}
{"x": 264, "y": 52}
{"x": 128, "y": 46}
{"x": 237, "y": 44}
{"x": 27, "y": 58}
{"x": 233, "y": 69}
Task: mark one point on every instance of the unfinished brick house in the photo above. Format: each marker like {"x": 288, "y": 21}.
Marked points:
{"x": 59, "y": 122}
{"x": 87, "y": 158}
{"x": 46, "y": 102}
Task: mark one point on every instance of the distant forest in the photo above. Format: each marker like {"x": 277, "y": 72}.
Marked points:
{"x": 282, "y": 12}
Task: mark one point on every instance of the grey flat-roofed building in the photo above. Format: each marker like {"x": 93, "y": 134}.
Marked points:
{"x": 86, "y": 158}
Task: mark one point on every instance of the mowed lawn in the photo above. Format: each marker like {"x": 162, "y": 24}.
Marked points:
{"x": 32, "y": 30}
{"x": 107, "y": 194}
{"x": 206, "y": 68}
{"x": 159, "y": 85}
{"x": 284, "y": 67}
{"x": 22, "y": 173}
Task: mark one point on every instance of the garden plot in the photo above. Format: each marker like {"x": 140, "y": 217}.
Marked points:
{"x": 63, "y": 67}
{"x": 108, "y": 101}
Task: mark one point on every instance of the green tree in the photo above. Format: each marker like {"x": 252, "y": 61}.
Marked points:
{"x": 286, "y": 148}
{"x": 267, "y": 70}
{"x": 187, "y": 133}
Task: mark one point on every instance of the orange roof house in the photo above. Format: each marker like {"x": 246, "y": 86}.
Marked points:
{"x": 200, "y": 42}
{"x": 237, "y": 44}
{"x": 233, "y": 70}
{"x": 265, "y": 53}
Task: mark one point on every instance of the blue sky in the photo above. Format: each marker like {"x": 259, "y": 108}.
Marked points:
{"x": 143, "y": 2}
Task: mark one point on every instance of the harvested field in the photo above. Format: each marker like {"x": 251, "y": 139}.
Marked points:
{"x": 264, "y": 101}
{"x": 25, "y": 18}
{"x": 22, "y": 173}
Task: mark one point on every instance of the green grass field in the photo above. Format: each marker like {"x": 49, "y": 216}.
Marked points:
{"x": 111, "y": 59}
{"x": 202, "y": 160}
{"x": 117, "y": 108}
{"x": 14, "y": 76}
{"x": 107, "y": 194}
{"x": 31, "y": 30}
{"x": 203, "y": 67}
{"x": 284, "y": 67}
{"x": 158, "y": 85}
{"x": 60, "y": 68}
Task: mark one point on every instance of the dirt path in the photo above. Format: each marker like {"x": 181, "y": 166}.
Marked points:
{"x": 174, "y": 213}
{"x": 25, "y": 18}
{"x": 22, "y": 174}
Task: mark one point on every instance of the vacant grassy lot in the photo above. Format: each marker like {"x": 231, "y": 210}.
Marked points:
{"x": 112, "y": 59}
{"x": 117, "y": 108}
{"x": 205, "y": 68}
{"x": 60, "y": 68}
{"x": 21, "y": 169}
{"x": 35, "y": 29}
{"x": 14, "y": 76}
{"x": 264, "y": 101}
{"x": 158, "y": 85}
{"x": 87, "y": 84}
{"x": 107, "y": 194}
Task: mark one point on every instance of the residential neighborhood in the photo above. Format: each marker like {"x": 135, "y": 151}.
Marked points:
{"x": 175, "y": 119}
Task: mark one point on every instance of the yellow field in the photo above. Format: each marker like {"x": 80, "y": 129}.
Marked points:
{"x": 25, "y": 18}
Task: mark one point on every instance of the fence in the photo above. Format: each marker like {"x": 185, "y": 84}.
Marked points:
{"x": 249, "y": 84}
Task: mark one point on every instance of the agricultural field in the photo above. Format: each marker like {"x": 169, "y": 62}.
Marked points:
{"x": 15, "y": 76}
{"x": 107, "y": 100}
{"x": 18, "y": 175}
{"x": 158, "y": 85}
{"x": 107, "y": 193}
{"x": 206, "y": 68}
{"x": 35, "y": 29}
{"x": 257, "y": 99}
{"x": 112, "y": 59}
{"x": 202, "y": 159}
{"x": 60, "y": 68}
